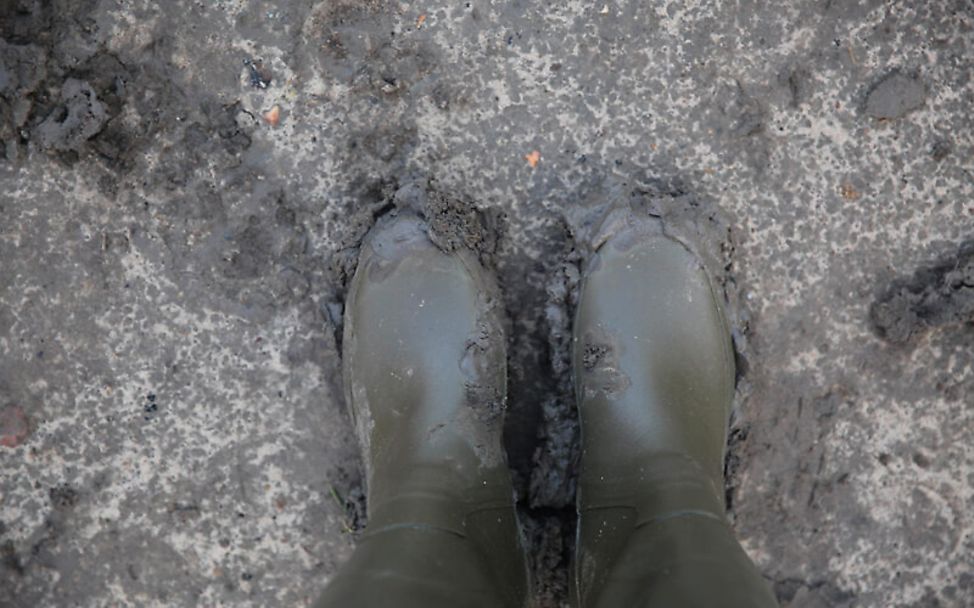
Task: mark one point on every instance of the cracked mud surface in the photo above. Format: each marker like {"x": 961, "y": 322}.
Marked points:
{"x": 175, "y": 253}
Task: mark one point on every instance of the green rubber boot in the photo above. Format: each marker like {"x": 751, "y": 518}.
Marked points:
{"x": 425, "y": 376}
{"x": 654, "y": 375}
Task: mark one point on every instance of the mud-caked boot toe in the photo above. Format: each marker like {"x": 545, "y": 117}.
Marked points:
{"x": 424, "y": 367}
{"x": 654, "y": 374}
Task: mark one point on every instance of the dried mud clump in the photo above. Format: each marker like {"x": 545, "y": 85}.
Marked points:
{"x": 454, "y": 223}
{"x": 76, "y": 119}
{"x": 937, "y": 295}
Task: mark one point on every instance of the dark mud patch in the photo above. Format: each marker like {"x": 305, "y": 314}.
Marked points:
{"x": 348, "y": 492}
{"x": 937, "y": 295}
{"x": 552, "y": 479}
{"x": 894, "y": 95}
{"x": 63, "y": 93}
{"x": 41, "y": 98}
{"x": 539, "y": 286}
{"x": 799, "y": 593}
{"x": 817, "y": 491}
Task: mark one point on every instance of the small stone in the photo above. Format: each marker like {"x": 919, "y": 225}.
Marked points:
{"x": 273, "y": 116}
{"x": 14, "y": 426}
{"x": 260, "y": 76}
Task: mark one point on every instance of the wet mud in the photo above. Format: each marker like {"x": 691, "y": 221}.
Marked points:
{"x": 165, "y": 231}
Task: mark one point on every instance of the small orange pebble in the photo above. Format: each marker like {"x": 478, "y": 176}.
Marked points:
{"x": 14, "y": 426}
{"x": 420, "y": 21}
{"x": 849, "y": 192}
{"x": 273, "y": 116}
{"x": 533, "y": 158}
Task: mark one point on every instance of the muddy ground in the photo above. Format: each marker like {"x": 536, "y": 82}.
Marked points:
{"x": 174, "y": 250}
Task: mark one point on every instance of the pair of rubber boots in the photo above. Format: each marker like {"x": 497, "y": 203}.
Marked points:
{"x": 425, "y": 376}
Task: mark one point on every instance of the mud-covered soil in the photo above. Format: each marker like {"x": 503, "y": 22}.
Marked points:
{"x": 184, "y": 186}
